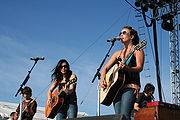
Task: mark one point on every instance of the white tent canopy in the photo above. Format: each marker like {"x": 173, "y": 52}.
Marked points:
{"x": 6, "y": 108}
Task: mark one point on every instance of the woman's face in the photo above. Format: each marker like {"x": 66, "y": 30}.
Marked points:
{"x": 64, "y": 68}
{"x": 125, "y": 35}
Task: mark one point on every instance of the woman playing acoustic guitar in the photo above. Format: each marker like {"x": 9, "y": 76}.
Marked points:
{"x": 126, "y": 96}
{"x": 65, "y": 80}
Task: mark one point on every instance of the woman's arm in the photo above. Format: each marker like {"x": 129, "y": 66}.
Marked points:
{"x": 52, "y": 87}
{"x": 136, "y": 106}
{"x": 106, "y": 68}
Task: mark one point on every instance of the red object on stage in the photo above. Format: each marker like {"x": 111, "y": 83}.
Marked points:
{"x": 163, "y": 104}
{"x": 158, "y": 110}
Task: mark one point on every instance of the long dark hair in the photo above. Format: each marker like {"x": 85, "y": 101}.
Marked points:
{"x": 135, "y": 40}
{"x": 57, "y": 75}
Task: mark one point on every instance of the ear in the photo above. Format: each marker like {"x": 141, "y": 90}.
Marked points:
{"x": 132, "y": 37}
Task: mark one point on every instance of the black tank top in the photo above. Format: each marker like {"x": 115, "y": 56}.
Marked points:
{"x": 71, "y": 98}
{"x": 132, "y": 77}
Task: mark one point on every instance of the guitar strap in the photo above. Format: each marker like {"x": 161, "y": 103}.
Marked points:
{"x": 128, "y": 60}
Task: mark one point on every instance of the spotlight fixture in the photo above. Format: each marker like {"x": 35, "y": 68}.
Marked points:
{"x": 145, "y": 7}
{"x": 166, "y": 25}
{"x": 163, "y": 2}
{"x": 152, "y": 4}
{"x": 168, "y": 1}
{"x": 138, "y": 3}
{"x": 167, "y": 16}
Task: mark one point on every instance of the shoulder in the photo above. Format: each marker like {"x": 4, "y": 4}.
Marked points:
{"x": 55, "y": 82}
{"x": 73, "y": 76}
{"x": 137, "y": 52}
{"x": 141, "y": 95}
{"x": 117, "y": 54}
{"x": 34, "y": 103}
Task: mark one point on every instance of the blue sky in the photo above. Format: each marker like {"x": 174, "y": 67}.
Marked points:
{"x": 77, "y": 31}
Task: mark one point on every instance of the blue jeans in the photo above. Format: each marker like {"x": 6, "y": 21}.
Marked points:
{"x": 124, "y": 102}
{"x": 69, "y": 111}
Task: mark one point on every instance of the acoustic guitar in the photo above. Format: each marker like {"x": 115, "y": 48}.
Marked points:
{"x": 52, "y": 109}
{"x": 115, "y": 78}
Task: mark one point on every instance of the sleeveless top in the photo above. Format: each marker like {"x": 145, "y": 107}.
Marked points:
{"x": 70, "y": 98}
{"x": 132, "y": 77}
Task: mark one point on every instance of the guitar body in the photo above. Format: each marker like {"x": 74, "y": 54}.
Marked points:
{"x": 57, "y": 102}
{"x": 115, "y": 82}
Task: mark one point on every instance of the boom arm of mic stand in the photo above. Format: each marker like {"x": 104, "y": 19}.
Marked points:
{"x": 98, "y": 70}
{"x": 24, "y": 82}
{"x": 26, "y": 79}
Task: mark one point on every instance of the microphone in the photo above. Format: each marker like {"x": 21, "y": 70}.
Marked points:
{"x": 113, "y": 39}
{"x": 37, "y": 58}
{"x": 152, "y": 97}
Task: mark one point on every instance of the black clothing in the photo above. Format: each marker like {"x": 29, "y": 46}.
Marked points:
{"x": 70, "y": 98}
{"x": 132, "y": 77}
{"x": 28, "y": 115}
{"x": 142, "y": 100}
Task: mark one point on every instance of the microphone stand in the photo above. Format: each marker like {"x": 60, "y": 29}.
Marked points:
{"x": 98, "y": 74}
{"x": 23, "y": 84}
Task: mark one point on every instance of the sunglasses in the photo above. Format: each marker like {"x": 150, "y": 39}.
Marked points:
{"x": 123, "y": 32}
{"x": 64, "y": 66}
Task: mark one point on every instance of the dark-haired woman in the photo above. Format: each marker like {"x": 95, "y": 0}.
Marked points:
{"x": 125, "y": 98}
{"x": 60, "y": 76}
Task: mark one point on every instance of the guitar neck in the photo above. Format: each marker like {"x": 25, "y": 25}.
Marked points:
{"x": 137, "y": 47}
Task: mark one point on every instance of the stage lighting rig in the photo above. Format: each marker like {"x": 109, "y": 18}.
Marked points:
{"x": 166, "y": 11}
{"x": 167, "y": 16}
{"x": 138, "y": 3}
{"x": 167, "y": 23}
{"x": 145, "y": 7}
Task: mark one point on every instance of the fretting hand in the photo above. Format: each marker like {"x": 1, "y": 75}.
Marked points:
{"x": 65, "y": 89}
{"x": 123, "y": 66}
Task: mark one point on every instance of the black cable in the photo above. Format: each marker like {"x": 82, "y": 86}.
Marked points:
{"x": 145, "y": 20}
{"x": 97, "y": 39}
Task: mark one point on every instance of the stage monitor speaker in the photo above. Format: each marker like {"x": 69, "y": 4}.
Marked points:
{"x": 104, "y": 117}
{"x": 158, "y": 112}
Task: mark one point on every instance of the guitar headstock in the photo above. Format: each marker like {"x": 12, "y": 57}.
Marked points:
{"x": 142, "y": 44}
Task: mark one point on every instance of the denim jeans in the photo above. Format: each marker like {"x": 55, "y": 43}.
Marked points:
{"x": 69, "y": 111}
{"x": 124, "y": 102}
